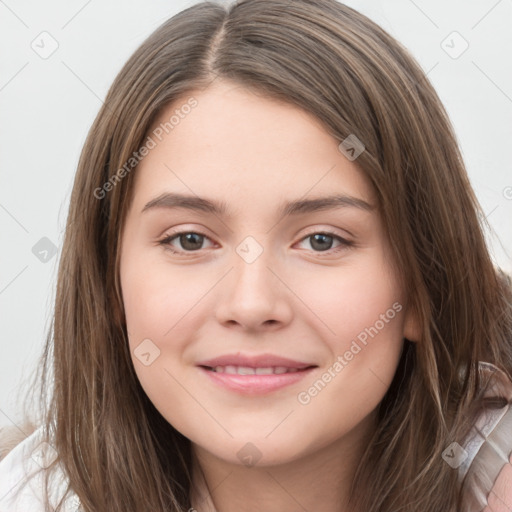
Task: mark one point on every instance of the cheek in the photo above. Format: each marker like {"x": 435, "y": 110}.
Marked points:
{"x": 163, "y": 308}
{"x": 364, "y": 315}
{"x": 356, "y": 300}
{"x": 350, "y": 387}
{"x": 158, "y": 298}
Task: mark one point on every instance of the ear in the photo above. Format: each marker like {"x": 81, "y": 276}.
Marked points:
{"x": 412, "y": 328}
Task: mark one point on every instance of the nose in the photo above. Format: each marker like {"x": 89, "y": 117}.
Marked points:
{"x": 255, "y": 297}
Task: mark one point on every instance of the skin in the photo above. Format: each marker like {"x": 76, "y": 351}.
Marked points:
{"x": 500, "y": 497}
{"x": 295, "y": 300}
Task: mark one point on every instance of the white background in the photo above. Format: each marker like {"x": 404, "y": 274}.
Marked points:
{"x": 48, "y": 105}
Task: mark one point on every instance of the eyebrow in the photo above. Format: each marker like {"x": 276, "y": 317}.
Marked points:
{"x": 301, "y": 206}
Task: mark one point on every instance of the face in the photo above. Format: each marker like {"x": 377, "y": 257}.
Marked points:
{"x": 291, "y": 299}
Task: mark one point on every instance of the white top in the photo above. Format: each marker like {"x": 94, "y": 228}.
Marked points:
{"x": 25, "y": 459}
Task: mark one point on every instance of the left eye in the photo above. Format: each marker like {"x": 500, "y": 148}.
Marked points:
{"x": 191, "y": 241}
{"x": 323, "y": 241}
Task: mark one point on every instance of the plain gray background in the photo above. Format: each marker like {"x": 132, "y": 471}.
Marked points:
{"x": 48, "y": 103}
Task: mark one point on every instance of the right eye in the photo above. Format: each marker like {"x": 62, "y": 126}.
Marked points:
{"x": 190, "y": 241}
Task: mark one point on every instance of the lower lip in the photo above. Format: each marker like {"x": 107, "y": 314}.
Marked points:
{"x": 256, "y": 384}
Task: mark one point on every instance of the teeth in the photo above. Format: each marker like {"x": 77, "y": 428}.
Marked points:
{"x": 245, "y": 370}
{"x": 264, "y": 371}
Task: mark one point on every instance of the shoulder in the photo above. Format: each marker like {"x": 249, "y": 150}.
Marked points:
{"x": 22, "y": 476}
{"x": 486, "y": 459}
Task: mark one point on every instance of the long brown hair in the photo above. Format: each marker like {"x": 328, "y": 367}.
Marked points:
{"x": 328, "y": 59}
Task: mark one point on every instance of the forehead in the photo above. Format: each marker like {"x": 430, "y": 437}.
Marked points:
{"x": 244, "y": 149}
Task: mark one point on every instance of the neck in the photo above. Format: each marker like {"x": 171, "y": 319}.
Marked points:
{"x": 319, "y": 481}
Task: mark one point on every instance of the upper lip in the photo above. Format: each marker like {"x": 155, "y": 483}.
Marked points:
{"x": 256, "y": 361}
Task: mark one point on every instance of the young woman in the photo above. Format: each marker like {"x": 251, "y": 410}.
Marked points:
{"x": 274, "y": 291}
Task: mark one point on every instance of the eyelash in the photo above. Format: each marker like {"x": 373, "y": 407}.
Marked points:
{"x": 345, "y": 244}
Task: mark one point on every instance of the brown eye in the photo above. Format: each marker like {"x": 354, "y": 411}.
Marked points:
{"x": 323, "y": 242}
{"x": 189, "y": 241}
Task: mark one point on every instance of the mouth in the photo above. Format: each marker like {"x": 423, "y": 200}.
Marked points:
{"x": 248, "y": 370}
{"x": 254, "y": 375}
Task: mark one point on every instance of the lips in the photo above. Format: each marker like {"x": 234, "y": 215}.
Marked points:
{"x": 244, "y": 364}
{"x": 259, "y": 374}
{"x": 247, "y": 370}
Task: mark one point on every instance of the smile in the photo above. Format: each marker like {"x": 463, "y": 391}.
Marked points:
{"x": 247, "y": 380}
{"x": 247, "y": 370}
